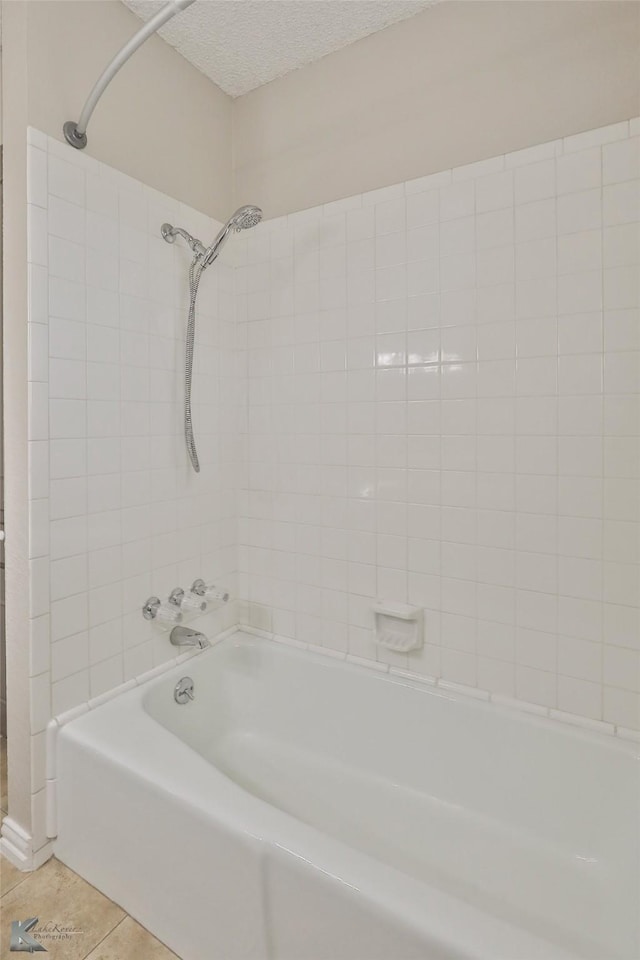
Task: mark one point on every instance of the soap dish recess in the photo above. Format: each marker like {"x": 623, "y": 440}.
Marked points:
{"x": 398, "y": 626}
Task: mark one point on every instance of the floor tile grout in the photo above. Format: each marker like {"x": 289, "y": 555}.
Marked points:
{"x": 111, "y": 932}
{"x": 115, "y": 927}
{"x": 24, "y": 875}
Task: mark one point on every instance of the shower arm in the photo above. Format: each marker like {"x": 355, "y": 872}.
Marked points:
{"x": 169, "y": 233}
{"x": 206, "y": 255}
{"x": 76, "y": 133}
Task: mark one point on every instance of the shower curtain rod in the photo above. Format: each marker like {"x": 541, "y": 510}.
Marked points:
{"x": 76, "y": 133}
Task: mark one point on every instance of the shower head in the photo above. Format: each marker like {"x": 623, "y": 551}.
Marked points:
{"x": 244, "y": 218}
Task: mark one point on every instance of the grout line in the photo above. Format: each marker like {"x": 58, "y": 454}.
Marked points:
{"x": 115, "y": 927}
{"x": 24, "y": 875}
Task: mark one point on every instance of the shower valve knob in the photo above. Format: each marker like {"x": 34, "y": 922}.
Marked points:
{"x": 209, "y": 590}
{"x": 154, "y": 609}
{"x": 189, "y": 602}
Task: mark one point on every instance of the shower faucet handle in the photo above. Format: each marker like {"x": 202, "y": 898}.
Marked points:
{"x": 154, "y": 609}
{"x": 176, "y": 596}
{"x": 189, "y": 602}
{"x": 209, "y": 590}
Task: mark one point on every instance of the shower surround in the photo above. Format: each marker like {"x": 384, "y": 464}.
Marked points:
{"x": 428, "y": 393}
{"x": 442, "y": 381}
{"x": 116, "y": 513}
{"x": 443, "y": 409}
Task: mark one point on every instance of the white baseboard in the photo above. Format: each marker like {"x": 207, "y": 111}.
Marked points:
{"x": 16, "y": 846}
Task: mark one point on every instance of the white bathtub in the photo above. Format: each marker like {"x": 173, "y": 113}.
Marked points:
{"x": 303, "y": 808}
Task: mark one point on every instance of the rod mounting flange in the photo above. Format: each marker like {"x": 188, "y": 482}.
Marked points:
{"x": 73, "y": 136}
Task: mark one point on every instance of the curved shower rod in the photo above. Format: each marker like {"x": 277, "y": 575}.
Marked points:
{"x": 76, "y": 133}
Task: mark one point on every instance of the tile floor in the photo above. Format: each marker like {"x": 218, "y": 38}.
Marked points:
{"x": 59, "y": 897}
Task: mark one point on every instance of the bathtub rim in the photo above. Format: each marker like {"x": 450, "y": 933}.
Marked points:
{"x": 505, "y": 704}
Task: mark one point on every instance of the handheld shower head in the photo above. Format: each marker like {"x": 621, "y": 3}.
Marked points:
{"x": 244, "y": 218}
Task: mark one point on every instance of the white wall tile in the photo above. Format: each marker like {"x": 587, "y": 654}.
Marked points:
{"x": 67, "y": 339}
{"x": 621, "y": 203}
{"x": 579, "y": 211}
{"x": 106, "y": 675}
{"x": 579, "y": 171}
{"x": 621, "y": 160}
{"x": 532, "y": 155}
{"x": 40, "y": 696}
{"x": 68, "y": 656}
{"x": 38, "y": 469}
{"x": 68, "y": 577}
{"x": 66, "y": 260}
{"x": 38, "y": 528}
{"x": 39, "y": 646}
{"x": 38, "y": 352}
{"x": 88, "y": 534}
{"x": 494, "y": 191}
{"x": 37, "y": 243}
{"x": 427, "y": 359}
{"x": 66, "y": 180}
{"x": 37, "y": 192}
{"x": 535, "y": 181}
{"x": 66, "y": 299}
{"x": 68, "y": 616}
{"x": 621, "y": 707}
{"x": 38, "y": 411}
{"x": 66, "y": 220}
{"x": 535, "y": 443}
{"x": 580, "y": 696}
{"x": 69, "y": 692}
{"x": 536, "y": 220}
{"x": 590, "y": 138}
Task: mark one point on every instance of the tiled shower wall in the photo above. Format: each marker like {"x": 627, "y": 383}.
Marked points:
{"x": 443, "y": 409}
{"x": 426, "y": 394}
{"x": 116, "y": 514}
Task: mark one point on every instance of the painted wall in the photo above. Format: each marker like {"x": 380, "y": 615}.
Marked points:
{"x": 459, "y": 82}
{"x": 443, "y": 381}
{"x": 160, "y": 121}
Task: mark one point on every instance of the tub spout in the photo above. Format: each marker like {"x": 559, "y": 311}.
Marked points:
{"x": 185, "y": 637}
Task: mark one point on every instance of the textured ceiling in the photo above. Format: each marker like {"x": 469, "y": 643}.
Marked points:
{"x": 241, "y": 44}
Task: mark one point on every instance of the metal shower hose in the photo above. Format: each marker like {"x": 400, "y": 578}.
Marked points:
{"x": 195, "y": 272}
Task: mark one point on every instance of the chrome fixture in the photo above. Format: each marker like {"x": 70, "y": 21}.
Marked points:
{"x": 209, "y": 590}
{"x": 178, "y": 598}
{"x": 155, "y": 609}
{"x": 76, "y": 133}
{"x": 186, "y": 637}
{"x": 183, "y": 690}
{"x": 170, "y": 233}
{"x": 242, "y": 219}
